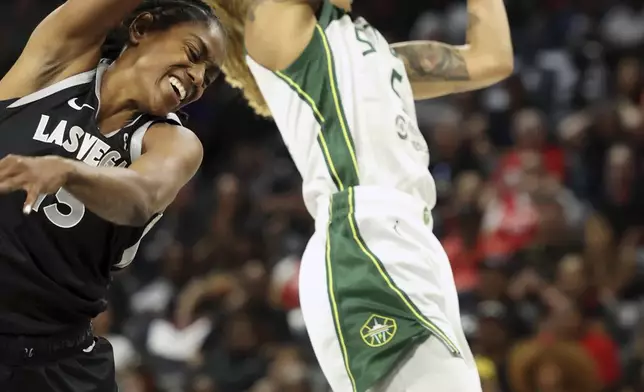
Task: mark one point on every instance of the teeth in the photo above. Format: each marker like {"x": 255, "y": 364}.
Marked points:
{"x": 179, "y": 86}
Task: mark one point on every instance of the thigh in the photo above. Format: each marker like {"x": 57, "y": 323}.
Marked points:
{"x": 418, "y": 269}
{"x": 318, "y": 315}
{"x": 360, "y": 324}
{"x": 431, "y": 368}
{"x": 91, "y": 370}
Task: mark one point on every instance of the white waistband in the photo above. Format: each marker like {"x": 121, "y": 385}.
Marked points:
{"x": 374, "y": 201}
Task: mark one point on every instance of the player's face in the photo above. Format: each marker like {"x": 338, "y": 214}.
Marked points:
{"x": 175, "y": 66}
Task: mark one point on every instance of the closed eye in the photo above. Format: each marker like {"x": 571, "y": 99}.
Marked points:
{"x": 193, "y": 54}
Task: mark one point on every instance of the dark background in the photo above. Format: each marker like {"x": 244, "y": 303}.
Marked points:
{"x": 541, "y": 209}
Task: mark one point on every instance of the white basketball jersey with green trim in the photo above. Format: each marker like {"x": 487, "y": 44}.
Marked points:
{"x": 346, "y": 112}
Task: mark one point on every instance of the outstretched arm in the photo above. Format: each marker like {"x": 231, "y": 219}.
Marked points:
{"x": 437, "y": 69}
{"x": 125, "y": 196}
{"x": 64, "y": 43}
{"x": 131, "y": 196}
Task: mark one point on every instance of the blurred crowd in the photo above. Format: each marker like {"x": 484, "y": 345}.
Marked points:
{"x": 541, "y": 210}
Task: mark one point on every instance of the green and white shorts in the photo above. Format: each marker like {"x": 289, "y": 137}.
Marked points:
{"x": 379, "y": 299}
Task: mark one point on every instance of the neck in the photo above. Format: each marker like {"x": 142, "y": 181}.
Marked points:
{"x": 116, "y": 107}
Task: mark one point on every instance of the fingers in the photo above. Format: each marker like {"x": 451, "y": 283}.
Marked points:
{"x": 11, "y": 167}
{"x": 32, "y": 196}
{"x": 13, "y": 178}
{"x": 8, "y": 167}
{"x": 11, "y": 182}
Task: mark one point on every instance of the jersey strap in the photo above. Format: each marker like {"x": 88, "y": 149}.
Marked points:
{"x": 136, "y": 147}
{"x": 72, "y": 81}
{"x": 136, "y": 141}
{"x": 130, "y": 253}
{"x": 313, "y": 78}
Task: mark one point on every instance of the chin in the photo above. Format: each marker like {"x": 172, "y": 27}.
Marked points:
{"x": 156, "y": 109}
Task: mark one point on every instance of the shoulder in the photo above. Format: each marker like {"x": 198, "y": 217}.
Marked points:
{"x": 172, "y": 136}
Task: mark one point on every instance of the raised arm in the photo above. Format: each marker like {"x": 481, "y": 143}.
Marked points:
{"x": 67, "y": 41}
{"x": 271, "y": 23}
{"x": 437, "y": 69}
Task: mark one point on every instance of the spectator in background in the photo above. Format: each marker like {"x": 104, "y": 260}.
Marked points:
{"x": 574, "y": 323}
{"x": 555, "y": 367}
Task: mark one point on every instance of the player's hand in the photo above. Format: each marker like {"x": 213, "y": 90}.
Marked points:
{"x": 34, "y": 175}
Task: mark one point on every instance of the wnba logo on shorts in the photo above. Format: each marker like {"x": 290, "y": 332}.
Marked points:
{"x": 378, "y": 330}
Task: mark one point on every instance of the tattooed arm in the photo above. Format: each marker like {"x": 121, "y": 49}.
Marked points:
{"x": 435, "y": 69}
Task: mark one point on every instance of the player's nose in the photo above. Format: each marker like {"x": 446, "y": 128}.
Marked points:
{"x": 197, "y": 75}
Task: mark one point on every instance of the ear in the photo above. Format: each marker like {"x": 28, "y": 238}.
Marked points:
{"x": 140, "y": 26}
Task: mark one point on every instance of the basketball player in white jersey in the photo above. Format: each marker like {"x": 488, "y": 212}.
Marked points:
{"x": 376, "y": 287}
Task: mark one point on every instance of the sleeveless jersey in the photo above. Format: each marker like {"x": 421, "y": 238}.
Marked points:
{"x": 346, "y": 112}
{"x": 55, "y": 264}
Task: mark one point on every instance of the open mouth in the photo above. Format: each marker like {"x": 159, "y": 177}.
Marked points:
{"x": 178, "y": 88}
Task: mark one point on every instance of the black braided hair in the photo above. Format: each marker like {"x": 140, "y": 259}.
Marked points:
{"x": 165, "y": 14}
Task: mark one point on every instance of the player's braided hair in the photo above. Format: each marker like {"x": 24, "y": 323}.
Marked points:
{"x": 232, "y": 14}
{"x": 165, "y": 13}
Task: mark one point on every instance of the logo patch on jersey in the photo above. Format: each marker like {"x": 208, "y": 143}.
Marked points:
{"x": 378, "y": 330}
{"x": 427, "y": 216}
{"x": 74, "y": 105}
{"x": 401, "y": 127}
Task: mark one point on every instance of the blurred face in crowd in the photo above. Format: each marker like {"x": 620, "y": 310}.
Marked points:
{"x": 468, "y": 189}
{"x": 204, "y": 384}
{"x": 571, "y": 276}
{"x": 173, "y": 263}
{"x": 256, "y": 279}
{"x": 628, "y": 75}
{"x": 529, "y": 129}
{"x": 533, "y": 171}
{"x": 289, "y": 371}
{"x": 607, "y": 121}
{"x": 239, "y": 334}
{"x": 516, "y": 90}
{"x": 491, "y": 335}
{"x": 552, "y": 220}
{"x": 567, "y": 322}
{"x": 620, "y": 169}
{"x": 447, "y": 137}
{"x": 493, "y": 284}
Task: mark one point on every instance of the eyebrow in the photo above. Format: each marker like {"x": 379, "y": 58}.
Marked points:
{"x": 203, "y": 47}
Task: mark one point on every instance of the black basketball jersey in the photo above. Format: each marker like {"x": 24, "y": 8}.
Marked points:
{"x": 55, "y": 263}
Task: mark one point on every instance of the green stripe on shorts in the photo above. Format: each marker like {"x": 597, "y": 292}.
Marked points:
{"x": 376, "y": 323}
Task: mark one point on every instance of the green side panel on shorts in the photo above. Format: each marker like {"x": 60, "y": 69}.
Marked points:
{"x": 375, "y": 329}
{"x": 312, "y": 76}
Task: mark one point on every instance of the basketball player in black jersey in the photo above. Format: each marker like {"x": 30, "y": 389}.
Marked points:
{"x": 91, "y": 153}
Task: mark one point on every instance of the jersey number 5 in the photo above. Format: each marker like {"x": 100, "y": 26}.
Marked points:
{"x": 65, "y": 213}
{"x": 361, "y": 36}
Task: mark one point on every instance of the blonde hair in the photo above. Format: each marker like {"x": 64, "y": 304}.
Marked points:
{"x": 231, "y": 14}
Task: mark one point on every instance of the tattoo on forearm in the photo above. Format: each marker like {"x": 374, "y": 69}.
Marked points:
{"x": 433, "y": 61}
